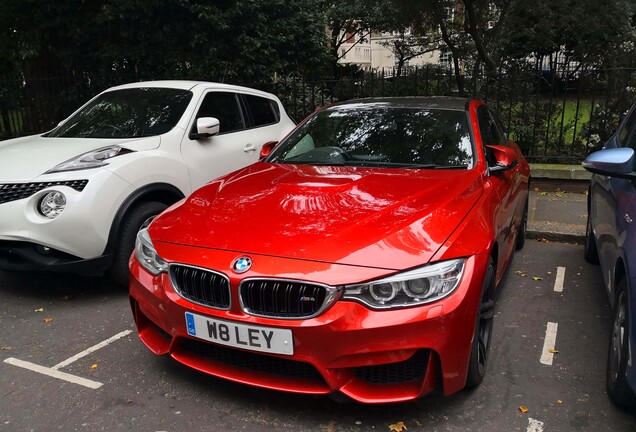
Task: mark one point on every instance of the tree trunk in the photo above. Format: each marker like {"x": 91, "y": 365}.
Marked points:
{"x": 454, "y": 52}
{"x": 470, "y": 25}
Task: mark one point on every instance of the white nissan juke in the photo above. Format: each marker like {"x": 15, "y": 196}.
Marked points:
{"x": 73, "y": 199}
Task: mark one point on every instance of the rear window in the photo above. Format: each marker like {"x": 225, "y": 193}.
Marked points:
{"x": 264, "y": 111}
{"x": 127, "y": 113}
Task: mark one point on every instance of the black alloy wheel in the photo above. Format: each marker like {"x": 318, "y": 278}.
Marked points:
{"x": 523, "y": 227}
{"x": 483, "y": 331}
{"x": 618, "y": 388}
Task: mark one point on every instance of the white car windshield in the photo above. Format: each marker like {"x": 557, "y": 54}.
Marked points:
{"x": 127, "y": 113}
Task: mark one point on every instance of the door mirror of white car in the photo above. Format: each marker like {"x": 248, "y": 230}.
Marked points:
{"x": 206, "y": 127}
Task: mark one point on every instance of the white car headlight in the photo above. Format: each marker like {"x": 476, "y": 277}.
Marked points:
{"x": 91, "y": 159}
{"x": 147, "y": 255}
{"x": 412, "y": 288}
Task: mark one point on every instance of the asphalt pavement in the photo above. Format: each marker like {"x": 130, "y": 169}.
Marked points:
{"x": 557, "y": 211}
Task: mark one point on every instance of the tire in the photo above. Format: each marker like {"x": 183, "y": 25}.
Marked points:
{"x": 138, "y": 217}
{"x": 590, "y": 251}
{"x": 618, "y": 388}
{"x": 523, "y": 227}
{"x": 483, "y": 331}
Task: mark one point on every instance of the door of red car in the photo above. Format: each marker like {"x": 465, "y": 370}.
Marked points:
{"x": 507, "y": 185}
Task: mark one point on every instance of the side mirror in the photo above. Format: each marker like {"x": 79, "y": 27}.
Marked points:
{"x": 206, "y": 127}
{"x": 502, "y": 158}
{"x": 267, "y": 149}
{"x": 616, "y": 162}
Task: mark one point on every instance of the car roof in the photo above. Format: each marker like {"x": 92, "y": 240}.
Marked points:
{"x": 187, "y": 85}
{"x": 430, "y": 102}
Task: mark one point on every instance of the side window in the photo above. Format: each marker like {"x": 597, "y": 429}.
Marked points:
{"x": 490, "y": 131}
{"x": 225, "y": 107}
{"x": 626, "y": 135}
{"x": 502, "y": 135}
{"x": 264, "y": 111}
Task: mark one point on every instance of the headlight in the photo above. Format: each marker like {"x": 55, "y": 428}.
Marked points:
{"x": 412, "y": 288}
{"x": 147, "y": 255}
{"x": 92, "y": 159}
{"x": 52, "y": 204}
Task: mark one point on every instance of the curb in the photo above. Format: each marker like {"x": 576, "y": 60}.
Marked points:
{"x": 555, "y": 236}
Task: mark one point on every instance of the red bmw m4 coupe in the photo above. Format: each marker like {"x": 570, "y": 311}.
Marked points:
{"x": 361, "y": 256}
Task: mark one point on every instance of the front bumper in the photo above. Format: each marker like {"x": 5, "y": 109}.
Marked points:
{"x": 74, "y": 241}
{"x": 370, "y": 356}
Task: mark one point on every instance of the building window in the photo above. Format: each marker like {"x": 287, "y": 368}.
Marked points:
{"x": 445, "y": 58}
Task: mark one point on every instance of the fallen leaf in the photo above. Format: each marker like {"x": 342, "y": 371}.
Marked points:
{"x": 549, "y": 273}
{"x": 6, "y": 348}
{"x": 544, "y": 193}
{"x": 543, "y": 240}
{"x": 94, "y": 366}
{"x": 553, "y": 351}
{"x": 537, "y": 278}
{"x": 560, "y": 194}
{"x": 398, "y": 427}
{"x": 523, "y": 409}
{"x": 39, "y": 310}
{"x": 559, "y": 401}
{"x": 48, "y": 320}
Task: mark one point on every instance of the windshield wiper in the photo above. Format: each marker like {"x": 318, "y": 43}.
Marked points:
{"x": 403, "y": 165}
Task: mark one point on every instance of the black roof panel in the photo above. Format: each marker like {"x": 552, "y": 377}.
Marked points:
{"x": 430, "y": 102}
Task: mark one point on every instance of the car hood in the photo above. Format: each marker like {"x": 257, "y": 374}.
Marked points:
{"x": 387, "y": 218}
{"x": 24, "y": 159}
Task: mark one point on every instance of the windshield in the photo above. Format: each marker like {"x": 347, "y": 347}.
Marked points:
{"x": 129, "y": 113}
{"x": 378, "y": 134}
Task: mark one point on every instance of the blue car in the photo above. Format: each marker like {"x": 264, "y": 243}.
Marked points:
{"x": 611, "y": 241}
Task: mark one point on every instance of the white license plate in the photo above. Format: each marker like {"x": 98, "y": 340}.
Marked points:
{"x": 249, "y": 337}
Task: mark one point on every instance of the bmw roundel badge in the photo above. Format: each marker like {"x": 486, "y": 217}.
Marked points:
{"x": 242, "y": 264}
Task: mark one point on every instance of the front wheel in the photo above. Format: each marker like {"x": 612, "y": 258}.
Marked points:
{"x": 523, "y": 227}
{"x": 618, "y": 388}
{"x": 483, "y": 331}
{"x": 139, "y": 217}
{"x": 590, "y": 250}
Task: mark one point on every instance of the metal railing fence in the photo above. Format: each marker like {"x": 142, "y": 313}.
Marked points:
{"x": 555, "y": 118}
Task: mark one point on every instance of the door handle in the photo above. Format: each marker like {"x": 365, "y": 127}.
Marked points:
{"x": 249, "y": 148}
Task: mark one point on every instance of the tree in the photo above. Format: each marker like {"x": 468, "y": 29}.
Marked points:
{"x": 595, "y": 33}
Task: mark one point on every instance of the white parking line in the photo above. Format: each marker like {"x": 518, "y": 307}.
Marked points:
{"x": 549, "y": 343}
{"x": 560, "y": 278}
{"x": 92, "y": 349}
{"x": 54, "y": 371}
{"x": 535, "y": 425}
